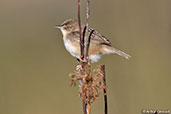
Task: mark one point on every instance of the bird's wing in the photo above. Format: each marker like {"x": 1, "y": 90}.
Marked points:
{"x": 98, "y": 38}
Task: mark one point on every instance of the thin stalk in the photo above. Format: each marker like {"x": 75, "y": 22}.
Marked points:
{"x": 88, "y": 43}
{"x": 83, "y": 38}
{"x": 79, "y": 22}
{"x": 104, "y": 90}
{"x": 88, "y": 12}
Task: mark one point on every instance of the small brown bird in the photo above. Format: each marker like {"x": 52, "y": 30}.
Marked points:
{"x": 99, "y": 44}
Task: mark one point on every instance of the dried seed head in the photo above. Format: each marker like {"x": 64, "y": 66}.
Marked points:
{"x": 91, "y": 83}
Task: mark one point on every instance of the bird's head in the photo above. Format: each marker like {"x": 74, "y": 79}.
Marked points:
{"x": 68, "y": 26}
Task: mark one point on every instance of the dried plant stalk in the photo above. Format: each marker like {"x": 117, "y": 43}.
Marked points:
{"x": 81, "y": 41}
{"x": 81, "y": 49}
{"x": 92, "y": 81}
{"x": 104, "y": 89}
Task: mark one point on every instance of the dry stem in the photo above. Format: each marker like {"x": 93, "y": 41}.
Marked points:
{"x": 92, "y": 81}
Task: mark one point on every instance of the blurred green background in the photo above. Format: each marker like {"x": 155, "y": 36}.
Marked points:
{"x": 34, "y": 64}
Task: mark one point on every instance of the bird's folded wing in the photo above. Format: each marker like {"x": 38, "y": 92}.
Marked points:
{"x": 98, "y": 38}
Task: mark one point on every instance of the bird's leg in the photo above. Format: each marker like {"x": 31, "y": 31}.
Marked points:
{"x": 88, "y": 61}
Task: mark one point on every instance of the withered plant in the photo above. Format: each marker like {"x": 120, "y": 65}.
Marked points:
{"x": 91, "y": 81}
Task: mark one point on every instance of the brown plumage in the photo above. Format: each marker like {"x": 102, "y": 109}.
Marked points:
{"x": 99, "y": 44}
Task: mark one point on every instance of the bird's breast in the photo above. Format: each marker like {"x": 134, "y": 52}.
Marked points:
{"x": 71, "y": 47}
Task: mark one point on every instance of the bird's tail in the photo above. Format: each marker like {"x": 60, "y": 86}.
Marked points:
{"x": 109, "y": 50}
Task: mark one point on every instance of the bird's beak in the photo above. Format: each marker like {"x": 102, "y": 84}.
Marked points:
{"x": 58, "y": 26}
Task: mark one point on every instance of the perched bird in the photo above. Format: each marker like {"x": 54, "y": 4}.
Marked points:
{"x": 99, "y": 44}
